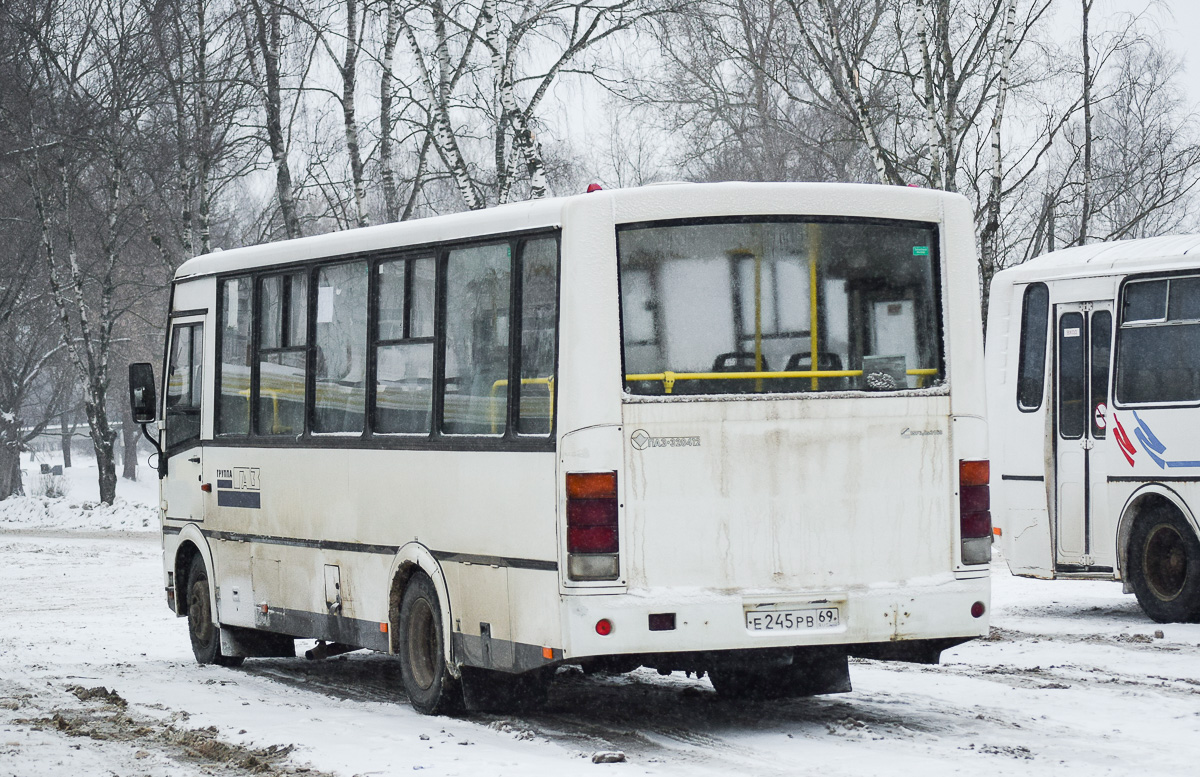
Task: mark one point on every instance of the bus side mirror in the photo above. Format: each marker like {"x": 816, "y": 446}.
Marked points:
{"x": 141, "y": 392}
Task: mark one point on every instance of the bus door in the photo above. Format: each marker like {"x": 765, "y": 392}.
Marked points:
{"x": 183, "y": 399}
{"x": 1083, "y": 344}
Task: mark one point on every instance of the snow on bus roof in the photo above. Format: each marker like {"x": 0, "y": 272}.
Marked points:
{"x": 648, "y": 202}
{"x": 1117, "y": 256}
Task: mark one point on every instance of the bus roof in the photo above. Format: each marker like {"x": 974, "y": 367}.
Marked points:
{"x": 654, "y": 201}
{"x": 1117, "y": 257}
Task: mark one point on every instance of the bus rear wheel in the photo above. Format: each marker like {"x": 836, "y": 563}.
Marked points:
{"x": 205, "y": 635}
{"x": 427, "y": 680}
{"x": 1164, "y": 567}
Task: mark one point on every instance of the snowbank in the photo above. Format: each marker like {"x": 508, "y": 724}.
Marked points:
{"x": 72, "y": 500}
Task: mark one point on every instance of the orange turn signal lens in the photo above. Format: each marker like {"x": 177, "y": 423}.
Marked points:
{"x": 974, "y": 473}
{"x": 591, "y": 485}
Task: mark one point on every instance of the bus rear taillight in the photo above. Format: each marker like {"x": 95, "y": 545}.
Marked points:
{"x": 592, "y": 536}
{"x": 974, "y": 511}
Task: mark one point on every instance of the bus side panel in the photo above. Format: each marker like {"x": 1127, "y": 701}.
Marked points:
{"x": 1020, "y": 452}
{"x": 489, "y": 513}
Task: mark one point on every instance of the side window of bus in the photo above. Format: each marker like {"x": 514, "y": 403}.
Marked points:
{"x": 404, "y": 346}
{"x": 341, "y": 365}
{"x": 1158, "y": 342}
{"x": 184, "y": 384}
{"x": 539, "y": 317}
{"x": 233, "y": 401}
{"x": 1031, "y": 367}
{"x": 478, "y": 284}
{"x": 282, "y": 353}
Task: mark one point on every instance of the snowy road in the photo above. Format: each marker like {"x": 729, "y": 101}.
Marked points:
{"x": 1073, "y": 677}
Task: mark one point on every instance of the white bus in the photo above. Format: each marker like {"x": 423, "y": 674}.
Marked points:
{"x": 726, "y": 428}
{"x": 1093, "y": 365}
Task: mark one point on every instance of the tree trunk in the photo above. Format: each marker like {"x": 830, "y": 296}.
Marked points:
{"x": 1085, "y": 207}
{"x": 349, "y": 68}
{"x": 989, "y": 238}
{"x": 10, "y": 456}
{"x": 129, "y": 442}
{"x": 104, "y": 443}
{"x": 65, "y": 431}
{"x": 391, "y": 197}
{"x": 10, "y": 472}
{"x": 267, "y": 37}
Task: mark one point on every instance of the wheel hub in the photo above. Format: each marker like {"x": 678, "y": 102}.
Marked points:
{"x": 1165, "y": 562}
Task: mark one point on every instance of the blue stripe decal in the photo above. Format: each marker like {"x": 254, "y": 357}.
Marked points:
{"x": 239, "y": 499}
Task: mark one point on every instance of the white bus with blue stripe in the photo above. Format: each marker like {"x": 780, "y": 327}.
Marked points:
{"x": 1093, "y": 384}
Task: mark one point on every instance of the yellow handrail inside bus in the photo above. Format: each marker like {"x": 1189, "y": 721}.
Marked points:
{"x": 547, "y": 382}
{"x": 668, "y": 378}
{"x": 814, "y": 251}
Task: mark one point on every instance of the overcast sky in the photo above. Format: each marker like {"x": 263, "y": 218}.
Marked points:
{"x": 1180, "y": 23}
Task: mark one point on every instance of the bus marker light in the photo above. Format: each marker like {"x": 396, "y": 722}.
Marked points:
{"x": 977, "y": 610}
{"x": 548, "y": 653}
{"x": 604, "y": 627}
{"x": 383, "y": 628}
{"x": 594, "y": 187}
{"x": 996, "y": 530}
{"x": 206, "y": 488}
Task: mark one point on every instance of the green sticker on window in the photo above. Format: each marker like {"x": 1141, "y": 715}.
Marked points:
{"x": 920, "y": 250}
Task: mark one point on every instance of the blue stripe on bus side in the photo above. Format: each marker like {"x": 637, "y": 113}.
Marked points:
{"x": 252, "y": 499}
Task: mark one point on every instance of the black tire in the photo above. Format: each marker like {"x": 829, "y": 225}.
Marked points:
{"x": 1164, "y": 567}
{"x": 427, "y": 680}
{"x": 205, "y": 635}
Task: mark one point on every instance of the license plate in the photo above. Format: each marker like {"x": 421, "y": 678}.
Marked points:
{"x": 793, "y": 620}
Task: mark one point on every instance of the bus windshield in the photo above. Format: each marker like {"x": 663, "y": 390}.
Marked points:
{"x": 770, "y": 306}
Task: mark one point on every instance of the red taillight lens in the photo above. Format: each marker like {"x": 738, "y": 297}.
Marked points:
{"x": 975, "y": 499}
{"x": 604, "y": 627}
{"x": 592, "y": 524}
{"x": 592, "y": 539}
{"x": 974, "y": 511}
{"x": 976, "y": 525}
{"x": 591, "y": 512}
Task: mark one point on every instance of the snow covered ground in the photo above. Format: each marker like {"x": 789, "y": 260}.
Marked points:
{"x": 96, "y": 677}
{"x": 79, "y": 507}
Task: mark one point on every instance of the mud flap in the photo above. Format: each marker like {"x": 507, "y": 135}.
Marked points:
{"x": 485, "y": 690}
{"x": 252, "y": 643}
{"x": 819, "y": 673}
{"x": 812, "y": 671}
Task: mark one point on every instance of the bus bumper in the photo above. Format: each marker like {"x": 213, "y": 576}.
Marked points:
{"x": 708, "y": 621}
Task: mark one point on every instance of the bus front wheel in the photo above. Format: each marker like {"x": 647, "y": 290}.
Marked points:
{"x": 1164, "y": 567}
{"x": 427, "y": 680}
{"x": 205, "y": 635}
